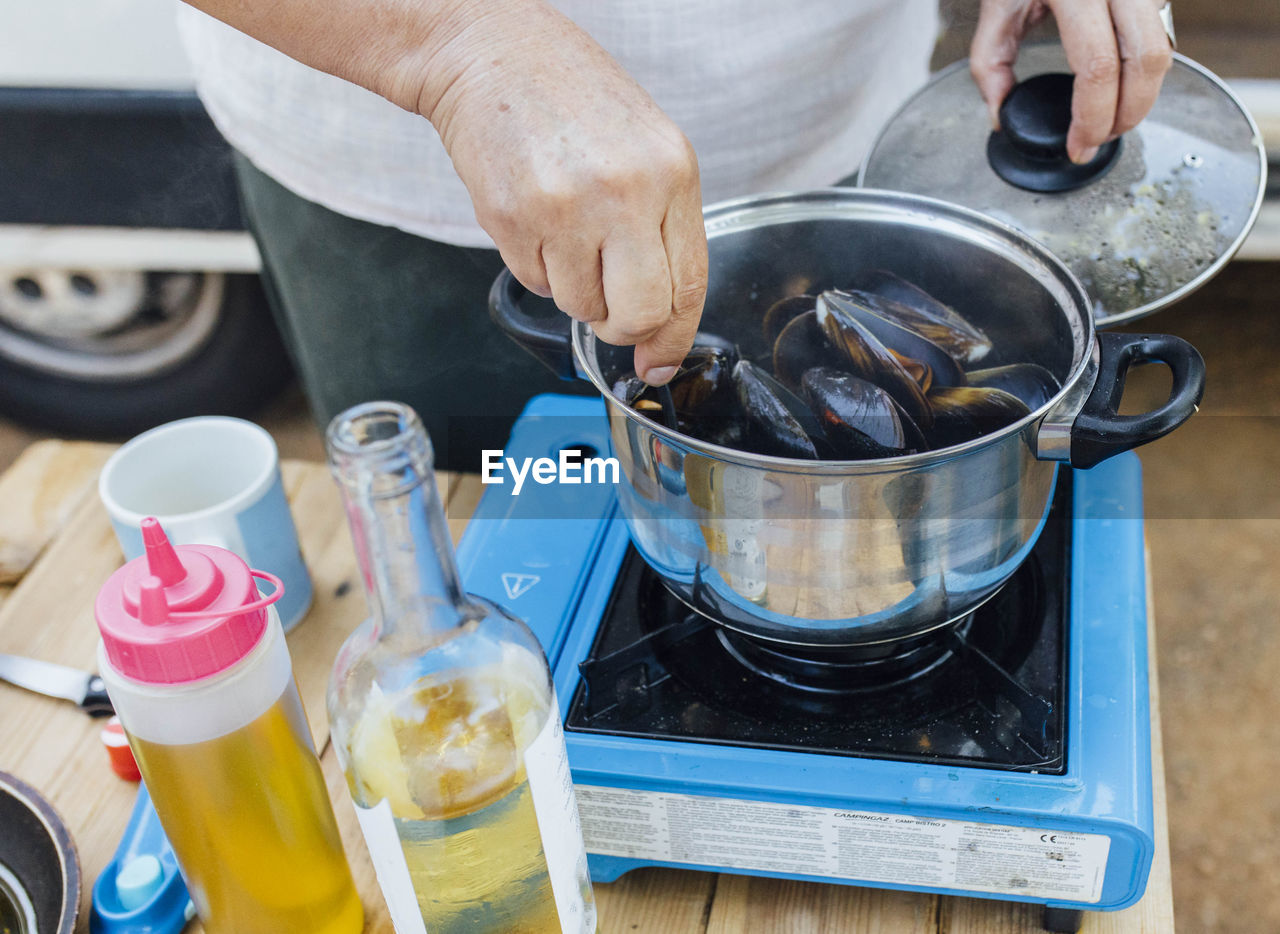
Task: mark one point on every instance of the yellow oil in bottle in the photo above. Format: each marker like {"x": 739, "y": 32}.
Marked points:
{"x": 447, "y": 754}
{"x": 251, "y": 825}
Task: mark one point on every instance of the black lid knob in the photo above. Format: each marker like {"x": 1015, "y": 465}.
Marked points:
{"x": 1030, "y": 149}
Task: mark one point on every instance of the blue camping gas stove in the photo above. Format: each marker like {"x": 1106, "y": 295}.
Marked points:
{"x": 1009, "y": 757}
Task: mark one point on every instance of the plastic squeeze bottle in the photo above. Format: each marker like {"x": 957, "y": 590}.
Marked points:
{"x": 444, "y": 716}
{"x": 196, "y": 665}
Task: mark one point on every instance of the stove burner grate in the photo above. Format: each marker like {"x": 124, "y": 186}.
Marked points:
{"x": 843, "y": 669}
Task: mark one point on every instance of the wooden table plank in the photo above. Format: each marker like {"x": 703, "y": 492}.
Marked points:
{"x": 40, "y": 491}
{"x": 336, "y": 608}
{"x": 755, "y": 905}
{"x": 464, "y": 495}
{"x": 376, "y": 918}
{"x": 656, "y": 899}
{"x": 55, "y": 747}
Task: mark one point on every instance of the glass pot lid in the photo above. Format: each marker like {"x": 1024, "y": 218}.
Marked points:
{"x": 1149, "y": 220}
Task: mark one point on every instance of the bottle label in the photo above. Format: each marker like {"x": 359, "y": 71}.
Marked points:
{"x": 551, "y": 784}
{"x": 379, "y": 828}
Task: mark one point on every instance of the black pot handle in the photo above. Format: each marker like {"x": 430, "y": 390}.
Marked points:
{"x": 546, "y": 336}
{"x": 1100, "y": 431}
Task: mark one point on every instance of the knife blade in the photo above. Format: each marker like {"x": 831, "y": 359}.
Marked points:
{"x": 80, "y": 687}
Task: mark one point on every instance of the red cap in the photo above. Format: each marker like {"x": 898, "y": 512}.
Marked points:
{"x": 179, "y": 614}
{"x": 118, "y": 752}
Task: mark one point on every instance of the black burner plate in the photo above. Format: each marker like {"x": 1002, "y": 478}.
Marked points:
{"x": 987, "y": 693}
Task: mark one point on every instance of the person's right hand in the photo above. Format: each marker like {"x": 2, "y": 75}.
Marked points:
{"x": 589, "y": 191}
{"x": 1118, "y": 50}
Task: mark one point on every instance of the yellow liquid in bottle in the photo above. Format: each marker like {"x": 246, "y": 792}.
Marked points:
{"x": 251, "y": 825}
{"x": 447, "y": 754}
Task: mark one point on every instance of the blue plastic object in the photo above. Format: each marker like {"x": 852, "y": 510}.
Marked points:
{"x": 558, "y": 574}
{"x": 141, "y": 891}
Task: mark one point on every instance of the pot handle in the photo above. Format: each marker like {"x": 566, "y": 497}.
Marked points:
{"x": 1099, "y": 430}
{"x": 546, "y": 336}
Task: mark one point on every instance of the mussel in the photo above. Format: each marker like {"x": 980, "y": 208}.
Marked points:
{"x": 922, "y": 373}
{"x": 891, "y": 325}
{"x": 801, "y": 412}
{"x": 1033, "y": 384}
{"x": 800, "y": 346}
{"x": 864, "y": 356}
{"x": 930, "y": 318}
{"x": 962, "y": 413}
{"x": 705, "y": 397}
{"x": 771, "y": 428}
{"x": 704, "y": 383}
{"x": 782, "y": 312}
{"x": 628, "y": 388}
{"x": 650, "y": 401}
{"x": 861, "y": 420}
{"x": 866, "y": 373}
{"x": 706, "y": 340}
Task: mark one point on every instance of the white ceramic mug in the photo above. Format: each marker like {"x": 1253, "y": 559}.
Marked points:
{"x": 210, "y": 480}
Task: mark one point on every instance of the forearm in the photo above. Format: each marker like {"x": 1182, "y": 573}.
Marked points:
{"x": 408, "y": 51}
{"x": 587, "y": 188}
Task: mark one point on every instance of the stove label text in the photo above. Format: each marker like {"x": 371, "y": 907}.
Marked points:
{"x": 570, "y": 468}
{"x": 860, "y": 846}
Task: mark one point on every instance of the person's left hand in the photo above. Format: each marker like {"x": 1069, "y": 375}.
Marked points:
{"x": 1118, "y": 50}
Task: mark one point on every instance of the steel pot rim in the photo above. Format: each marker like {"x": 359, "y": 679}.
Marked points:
{"x": 718, "y": 220}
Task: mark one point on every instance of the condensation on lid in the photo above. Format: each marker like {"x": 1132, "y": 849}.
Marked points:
{"x": 1176, "y": 205}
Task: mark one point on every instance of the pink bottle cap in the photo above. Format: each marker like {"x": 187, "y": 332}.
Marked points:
{"x": 179, "y": 614}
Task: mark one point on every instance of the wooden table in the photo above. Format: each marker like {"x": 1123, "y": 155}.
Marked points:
{"x": 56, "y": 549}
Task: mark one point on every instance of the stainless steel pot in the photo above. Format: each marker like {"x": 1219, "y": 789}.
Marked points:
{"x": 844, "y": 553}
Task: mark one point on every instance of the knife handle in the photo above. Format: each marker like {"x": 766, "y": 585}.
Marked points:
{"x": 96, "y": 703}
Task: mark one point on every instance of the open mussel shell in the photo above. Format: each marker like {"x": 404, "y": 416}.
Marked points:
{"x": 704, "y": 383}
{"x": 771, "y": 428}
{"x": 894, "y": 326}
{"x": 630, "y": 389}
{"x": 705, "y": 397}
{"x": 865, "y": 356}
{"x": 922, "y": 373}
{"x": 801, "y": 346}
{"x": 962, "y": 413}
{"x": 783, "y": 312}
{"x": 933, "y": 320}
{"x": 861, "y": 420}
{"x": 1033, "y": 384}
{"x": 650, "y": 401}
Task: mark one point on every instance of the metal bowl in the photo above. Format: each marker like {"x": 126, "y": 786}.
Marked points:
{"x": 39, "y": 869}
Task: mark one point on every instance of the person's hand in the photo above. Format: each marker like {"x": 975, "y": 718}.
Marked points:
{"x": 1118, "y": 50}
{"x": 589, "y": 191}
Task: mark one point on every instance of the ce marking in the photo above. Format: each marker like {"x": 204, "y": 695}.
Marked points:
{"x": 1048, "y": 838}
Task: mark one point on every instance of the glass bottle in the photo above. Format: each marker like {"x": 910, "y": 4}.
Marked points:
{"x": 443, "y": 713}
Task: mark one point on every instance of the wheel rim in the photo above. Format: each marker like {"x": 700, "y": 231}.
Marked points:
{"x": 106, "y": 325}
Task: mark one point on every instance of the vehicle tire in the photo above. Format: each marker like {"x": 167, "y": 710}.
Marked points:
{"x": 110, "y": 353}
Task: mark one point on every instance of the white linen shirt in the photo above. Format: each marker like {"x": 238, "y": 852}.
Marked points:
{"x": 773, "y": 96}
